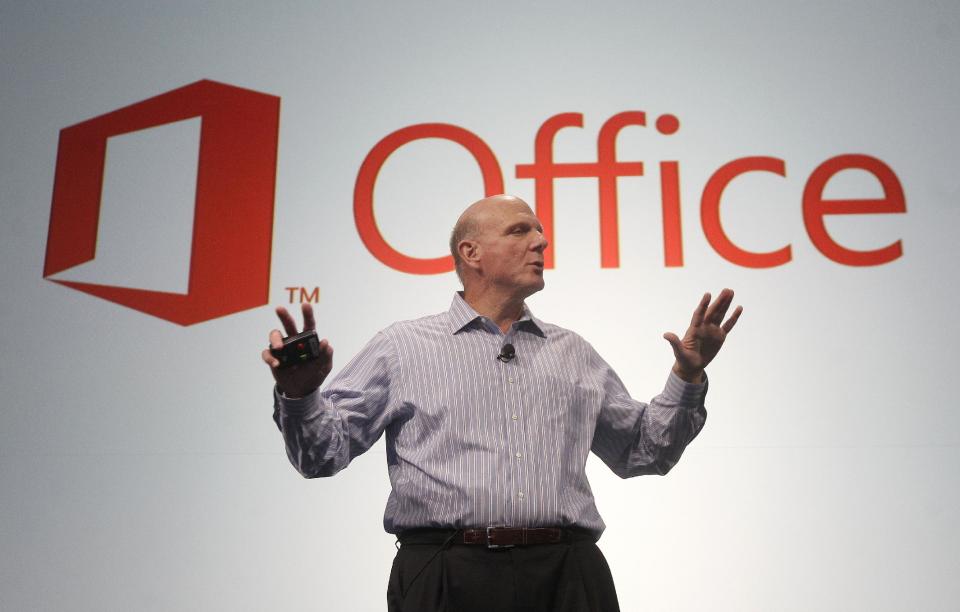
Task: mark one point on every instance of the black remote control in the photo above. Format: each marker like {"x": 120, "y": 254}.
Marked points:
{"x": 296, "y": 349}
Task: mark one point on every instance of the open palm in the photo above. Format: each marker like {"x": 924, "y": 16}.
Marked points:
{"x": 706, "y": 334}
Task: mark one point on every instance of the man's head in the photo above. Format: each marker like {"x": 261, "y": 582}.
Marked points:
{"x": 497, "y": 245}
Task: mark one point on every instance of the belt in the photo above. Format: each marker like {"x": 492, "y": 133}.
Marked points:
{"x": 505, "y": 537}
{"x": 495, "y": 537}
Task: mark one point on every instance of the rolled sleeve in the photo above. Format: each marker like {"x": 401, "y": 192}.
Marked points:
{"x": 635, "y": 438}
{"x": 325, "y": 430}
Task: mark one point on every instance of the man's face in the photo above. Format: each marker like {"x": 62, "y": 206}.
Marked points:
{"x": 511, "y": 248}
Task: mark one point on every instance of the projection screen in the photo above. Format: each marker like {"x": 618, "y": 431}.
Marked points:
{"x": 173, "y": 171}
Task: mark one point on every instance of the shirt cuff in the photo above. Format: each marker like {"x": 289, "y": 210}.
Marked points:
{"x": 684, "y": 393}
{"x": 295, "y": 406}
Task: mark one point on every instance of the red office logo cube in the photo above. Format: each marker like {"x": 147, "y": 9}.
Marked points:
{"x": 233, "y": 214}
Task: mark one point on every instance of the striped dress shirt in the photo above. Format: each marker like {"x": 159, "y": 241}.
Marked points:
{"x": 473, "y": 441}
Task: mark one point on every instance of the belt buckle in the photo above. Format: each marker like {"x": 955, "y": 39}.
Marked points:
{"x": 491, "y": 545}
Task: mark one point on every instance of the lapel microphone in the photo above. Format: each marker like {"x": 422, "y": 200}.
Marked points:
{"x": 507, "y": 353}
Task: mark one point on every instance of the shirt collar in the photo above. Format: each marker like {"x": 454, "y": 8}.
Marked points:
{"x": 461, "y": 315}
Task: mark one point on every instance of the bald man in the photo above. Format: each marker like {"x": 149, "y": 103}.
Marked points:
{"x": 489, "y": 414}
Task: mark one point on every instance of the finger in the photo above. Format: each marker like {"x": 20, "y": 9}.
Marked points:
{"x": 276, "y": 339}
{"x": 700, "y": 311}
{"x": 326, "y": 355}
{"x": 308, "y": 321}
{"x": 289, "y": 325}
{"x": 674, "y": 342}
{"x": 733, "y": 319}
{"x": 718, "y": 309}
{"x": 269, "y": 359}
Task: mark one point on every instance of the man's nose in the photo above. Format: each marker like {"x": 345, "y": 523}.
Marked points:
{"x": 540, "y": 244}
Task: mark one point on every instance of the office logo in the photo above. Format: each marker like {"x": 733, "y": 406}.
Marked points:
{"x": 815, "y": 206}
{"x": 233, "y": 214}
{"x": 230, "y": 240}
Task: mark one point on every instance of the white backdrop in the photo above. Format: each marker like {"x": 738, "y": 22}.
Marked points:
{"x": 139, "y": 467}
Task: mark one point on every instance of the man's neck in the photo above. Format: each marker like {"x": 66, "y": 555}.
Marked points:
{"x": 503, "y": 312}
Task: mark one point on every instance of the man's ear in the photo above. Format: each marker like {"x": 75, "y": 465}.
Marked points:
{"x": 469, "y": 253}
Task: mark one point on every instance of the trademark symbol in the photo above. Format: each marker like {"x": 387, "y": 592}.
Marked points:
{"x": 303, "y": 294}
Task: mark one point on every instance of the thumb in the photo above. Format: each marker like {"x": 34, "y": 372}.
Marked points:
{"x": 673, "y": 340}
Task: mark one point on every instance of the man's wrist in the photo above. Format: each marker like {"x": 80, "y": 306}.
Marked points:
{"x": 288, "y": 395}
{"x": 294, "y": 405}
{"x": 691, "y": 376}
{"x": 296, "y": 392}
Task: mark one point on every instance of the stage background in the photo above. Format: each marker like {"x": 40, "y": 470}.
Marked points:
{"x": 139, "y": 467}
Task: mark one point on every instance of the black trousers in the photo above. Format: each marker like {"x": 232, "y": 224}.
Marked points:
{"x": 430, "y": 576}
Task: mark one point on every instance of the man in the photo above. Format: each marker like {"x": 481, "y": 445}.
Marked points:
{"x": 489, "y": 415}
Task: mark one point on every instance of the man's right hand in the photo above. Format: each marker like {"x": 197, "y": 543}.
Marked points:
{"x": 303, "y": 378}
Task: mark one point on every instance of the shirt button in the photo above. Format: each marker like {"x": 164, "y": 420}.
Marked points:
{"x": 519, "y": 455}
{"x": 520, "y": 494}
{"x": 510, "y": 380}
{"x": 514, "y": 417}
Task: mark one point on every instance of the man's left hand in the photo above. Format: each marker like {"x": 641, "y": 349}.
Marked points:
{"x": 704, "y": 337}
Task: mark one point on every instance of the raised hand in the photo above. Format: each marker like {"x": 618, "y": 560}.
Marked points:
{"x": 704, "y": 337}
{"x": 302, "y": 378}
